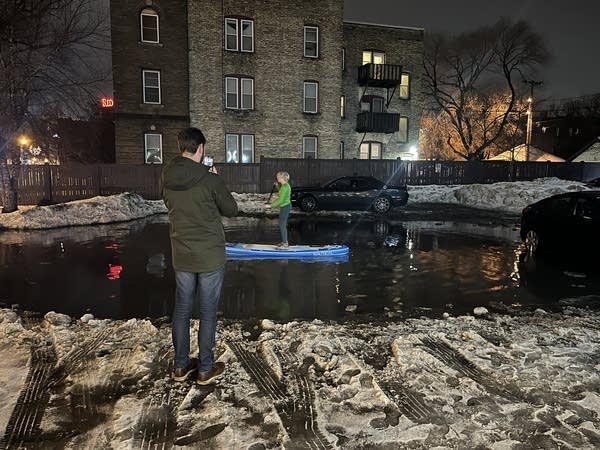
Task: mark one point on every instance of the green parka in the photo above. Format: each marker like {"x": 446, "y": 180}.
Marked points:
{"x": 196, "y": 199}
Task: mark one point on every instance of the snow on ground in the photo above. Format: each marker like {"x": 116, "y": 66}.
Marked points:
{"x": 508, "y": 196}
{"x": 498, "y": 381}
{"x": 491, "y": 381}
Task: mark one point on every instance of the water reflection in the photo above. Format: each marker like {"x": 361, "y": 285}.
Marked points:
{"x": 394, "y": 268}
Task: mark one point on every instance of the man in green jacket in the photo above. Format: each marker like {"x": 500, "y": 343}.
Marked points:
{"x": 196, "y": 199}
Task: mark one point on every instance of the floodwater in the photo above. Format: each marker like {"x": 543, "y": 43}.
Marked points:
{"x": 395, "y": 269}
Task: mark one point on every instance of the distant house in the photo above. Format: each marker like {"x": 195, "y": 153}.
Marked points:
{"x": 564, "y": 136}
{"x": 518, "y": 154}
{"x": 589, "y": 153}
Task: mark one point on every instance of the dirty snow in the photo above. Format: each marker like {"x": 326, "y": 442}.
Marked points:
{"x": 508, "y": 380}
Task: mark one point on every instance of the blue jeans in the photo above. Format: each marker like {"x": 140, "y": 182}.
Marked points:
{"x": 284, "y": 213}
{"x": 196, "y": 291}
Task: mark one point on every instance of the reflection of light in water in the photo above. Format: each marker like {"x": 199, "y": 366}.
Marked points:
{"x": 114, "y": 271}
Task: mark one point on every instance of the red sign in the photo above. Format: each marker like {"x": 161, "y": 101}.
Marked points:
{"x": 107, "y": 102}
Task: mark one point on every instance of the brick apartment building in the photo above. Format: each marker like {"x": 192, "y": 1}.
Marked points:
{"x": 262, "y": 78}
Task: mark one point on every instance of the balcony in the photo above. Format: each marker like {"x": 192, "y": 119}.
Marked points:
{"x": 379, "y": 75}
{"x": 380, "y": 122}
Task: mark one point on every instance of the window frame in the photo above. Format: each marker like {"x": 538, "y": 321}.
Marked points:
{"x": 305, "y": 98}
{"x": 369, "y": 150}
{"x": 316, "y": 42}
{"x": 370, "y": 100}
{"x": 240, "y": 80}
{"x": 144, "y": 87}
{"x": 402, "y": 119}
{"x": 406, "y": 86}
{"x": 147, "y": 148}
{"x": 149, "y": 12}
{"x": 240, "y": 138}
{"x": 314, "y": 139}
{"x": 239, "y": 34}
{"x": 372, "y": 56}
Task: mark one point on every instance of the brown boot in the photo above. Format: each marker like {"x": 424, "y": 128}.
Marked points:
{"x": 205, "y": 378}
{"x": 181, "y": 373}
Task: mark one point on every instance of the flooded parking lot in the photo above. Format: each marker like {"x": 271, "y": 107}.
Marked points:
{"x": 396, "y": 268}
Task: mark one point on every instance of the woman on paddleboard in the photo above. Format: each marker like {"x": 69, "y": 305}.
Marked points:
{"x": 284, "y": 204}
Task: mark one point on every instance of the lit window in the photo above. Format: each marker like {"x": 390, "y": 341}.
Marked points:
{"x": 153, "y": 148}
{"x": 370, "y": 150}
{"x": 239, "y": 93}
{"x": 373, "y": 57}
{"x": 309, "y": 147}
{"x": 311, "y": 97}
{"x": 239, "y": 35}
{"x": 311, "y": 42}
{"x": 151, "y": 81}
{"x": 403, "y": 129}
{"x": 405, "y": 86}
{"x": 149, "y": 25}
{"x": 342, "y": 106}
{"x": 234, "y": 152}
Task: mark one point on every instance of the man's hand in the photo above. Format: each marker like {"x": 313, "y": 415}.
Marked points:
{"x": 213, "y": 169}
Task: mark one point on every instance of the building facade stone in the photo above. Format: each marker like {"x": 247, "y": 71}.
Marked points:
{"x": 194, "y": 61}
{"x": 401, "y": 46}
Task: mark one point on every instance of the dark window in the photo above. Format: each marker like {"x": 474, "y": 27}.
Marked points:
{"x": 149, "y": 25}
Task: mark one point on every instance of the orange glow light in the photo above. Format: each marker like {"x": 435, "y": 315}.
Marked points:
{"x": 107, "y": 102}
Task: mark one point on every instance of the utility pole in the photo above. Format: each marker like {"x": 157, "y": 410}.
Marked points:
{"x": 531, "y": 84}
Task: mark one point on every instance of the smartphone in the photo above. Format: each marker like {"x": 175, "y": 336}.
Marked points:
{"x": 208, "y": 161}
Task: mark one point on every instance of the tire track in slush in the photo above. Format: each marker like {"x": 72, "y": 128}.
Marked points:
{"x": 298, "y": 415}
{"x": 455, "y": 360}
{"x": 24, "y": 423}
{"x": 44, "y": 374}
{"x": 408, "y": 401}
{"x": 157, "y": 427}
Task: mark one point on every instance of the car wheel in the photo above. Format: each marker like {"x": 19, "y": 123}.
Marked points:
{"x": 308, "y": 203}
{"x": 382, "y": 204}
{"x": 532, "y": 241}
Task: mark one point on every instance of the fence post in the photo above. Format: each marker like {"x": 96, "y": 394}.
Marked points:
{"x": 99, "y": 180}
{"x": 48, "y": 183}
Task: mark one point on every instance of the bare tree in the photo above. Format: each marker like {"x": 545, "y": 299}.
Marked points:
{"x": 49, "y": 53}
{"x": 474, "y": 80}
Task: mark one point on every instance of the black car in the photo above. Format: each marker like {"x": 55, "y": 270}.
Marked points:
{"x": 565, "y": 223}
{"x": 350, "y": 193}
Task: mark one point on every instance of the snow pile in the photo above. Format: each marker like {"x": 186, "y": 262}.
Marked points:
{"x": 505, "y": 196}
{"x": 509, "y": 197}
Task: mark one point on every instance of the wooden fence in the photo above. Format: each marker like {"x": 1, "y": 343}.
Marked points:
{"x": 55, "y": 184}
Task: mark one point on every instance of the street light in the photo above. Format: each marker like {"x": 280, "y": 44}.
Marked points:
{"x": 531, "y": 84}
{"x": 24, "y": 142}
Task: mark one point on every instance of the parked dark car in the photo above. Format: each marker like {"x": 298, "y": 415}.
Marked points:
{"x": 350, "y": 193}
{"x": 565, "y": 223}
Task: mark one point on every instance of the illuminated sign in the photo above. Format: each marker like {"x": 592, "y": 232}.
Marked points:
{"x": 107, "y": 102}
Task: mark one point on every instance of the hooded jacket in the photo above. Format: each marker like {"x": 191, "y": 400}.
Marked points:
{"x": 196, "y": 199}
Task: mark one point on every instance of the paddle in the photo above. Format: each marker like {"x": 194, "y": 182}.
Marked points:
{"x": 272, "y": 190}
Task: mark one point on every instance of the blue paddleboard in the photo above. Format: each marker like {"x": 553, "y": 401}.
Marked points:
{"x": 266, "y": 251}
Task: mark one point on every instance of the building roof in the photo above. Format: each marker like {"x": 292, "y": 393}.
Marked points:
{"x": 590, "y": 152}
{"x": 518, "y": 154}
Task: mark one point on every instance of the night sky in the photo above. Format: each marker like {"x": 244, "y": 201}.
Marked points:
{"x": 570, "y": 28}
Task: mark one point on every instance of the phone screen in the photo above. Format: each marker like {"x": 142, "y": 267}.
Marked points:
{"x": 208, "y": 161}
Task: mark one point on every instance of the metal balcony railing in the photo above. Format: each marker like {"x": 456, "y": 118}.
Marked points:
{"x": 379, "y": 75}
{"x": 369, "y": 122}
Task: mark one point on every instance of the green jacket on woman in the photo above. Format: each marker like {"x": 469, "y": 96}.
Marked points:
{"x": 196, "y": 199}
